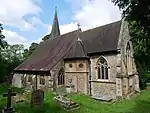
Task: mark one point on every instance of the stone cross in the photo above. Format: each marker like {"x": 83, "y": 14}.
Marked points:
{"x": 9, "y": 94}
{"x": 78, "y": 25}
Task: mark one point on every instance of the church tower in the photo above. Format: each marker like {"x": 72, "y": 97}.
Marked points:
{"x": 55, "y": 27}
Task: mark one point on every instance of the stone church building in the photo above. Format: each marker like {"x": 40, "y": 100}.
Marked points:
{"x": 98, "y": 62}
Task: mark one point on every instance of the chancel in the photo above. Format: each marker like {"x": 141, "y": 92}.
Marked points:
{"x": 99, "y": 62}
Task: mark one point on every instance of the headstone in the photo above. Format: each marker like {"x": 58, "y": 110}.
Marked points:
{"x": 8, "y": 108}
{"x": 37, "y": 98}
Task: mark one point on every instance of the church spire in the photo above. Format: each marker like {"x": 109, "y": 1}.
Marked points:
{"x": 55, "y": 27}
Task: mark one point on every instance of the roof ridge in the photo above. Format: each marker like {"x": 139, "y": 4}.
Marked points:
{"x": 102, "y": 26}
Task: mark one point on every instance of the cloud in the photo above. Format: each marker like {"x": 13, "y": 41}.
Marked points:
{"x": 90, "y": 14}
{"x": 93, "y": 13}
{"x": 65, "y": 28}
{"x": 14, "y": 38}
{"x": 14, "y": 13}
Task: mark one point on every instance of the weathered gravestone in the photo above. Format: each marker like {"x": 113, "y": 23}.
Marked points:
{"x": 37, "y": 98}
{"x": 8, "y": 108}
{"x": 66, "y": 103}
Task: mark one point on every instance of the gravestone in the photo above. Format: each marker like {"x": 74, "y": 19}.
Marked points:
{"x": 37, "y": 98}
{"x": 66, "y": 103}
{"x": 9, "y": 108}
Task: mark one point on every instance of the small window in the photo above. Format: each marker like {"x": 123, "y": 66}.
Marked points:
{"x": 70, "y": 65}
{"x": 42, "y": 80}
{"x": 80, "y": 65}
{"x": 29, "y": 79}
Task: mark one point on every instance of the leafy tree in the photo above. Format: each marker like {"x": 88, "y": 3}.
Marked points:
{"x": 137, "y": 13}
{"x": 136, "y": 10}
{"x": 11, "y": 57}
{"x": 28, "y": 52}
{"x": 1, "y": 37}
{"x": 46, "y": 37}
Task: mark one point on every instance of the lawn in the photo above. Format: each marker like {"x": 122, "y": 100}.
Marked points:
{"x": 139, "y": 104}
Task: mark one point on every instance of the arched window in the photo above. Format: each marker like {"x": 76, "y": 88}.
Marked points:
{"x": 128, "y": 59}
{"x": 42, "y": 80}
{"x": 61, "y": 77}
{"x": 29, "y": 78}
{"x": 102, "y": 68}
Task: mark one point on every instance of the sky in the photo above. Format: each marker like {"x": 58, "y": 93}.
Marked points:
{"x": 27, "y": 21}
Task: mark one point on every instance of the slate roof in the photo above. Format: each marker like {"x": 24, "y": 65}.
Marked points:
{"x": 50, "y": 52}
{"x": 77, "y": 50}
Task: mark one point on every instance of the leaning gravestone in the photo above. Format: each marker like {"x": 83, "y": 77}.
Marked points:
{"x": 37, "y": 98}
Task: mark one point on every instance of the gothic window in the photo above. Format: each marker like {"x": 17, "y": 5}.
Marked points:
{"x": 128, "y": 59}
{"x": 42, "y": 80}
{"x": 102, "y": 68}
{"x": 61, "y": 77}
{"x": 29, "y": 79}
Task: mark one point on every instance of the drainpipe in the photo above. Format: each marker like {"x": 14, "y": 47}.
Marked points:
{"x": 90, "y": 77}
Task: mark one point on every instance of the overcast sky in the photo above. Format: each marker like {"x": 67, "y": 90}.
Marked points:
{"x": 27, "y": 21}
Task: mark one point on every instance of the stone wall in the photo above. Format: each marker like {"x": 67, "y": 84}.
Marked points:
{"x": 78, "y": 76}
{"x": 104, "y": 87}
{"x": 21, "y": 81}
{"x": 16, "y": 81}
{"x": 129, "y": 81}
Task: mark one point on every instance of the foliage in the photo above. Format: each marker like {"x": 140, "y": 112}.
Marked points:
{"x": 141, "y": 51}
{"x": 1, "y": 37}
{"x": 28, "y": 52}
{"x": 46, "y": 37}
{"x": 139, "y": 104}
{"x": 11, "y": 57}
{"x": 136, "y": 10}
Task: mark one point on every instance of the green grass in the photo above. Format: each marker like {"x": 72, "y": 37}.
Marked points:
{"x": 139, "y": 104}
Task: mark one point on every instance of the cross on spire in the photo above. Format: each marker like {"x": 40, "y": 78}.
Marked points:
{"x": 78, "y": 25}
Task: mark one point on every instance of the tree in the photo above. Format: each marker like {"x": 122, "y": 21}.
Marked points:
{"x": 138, "y": 11}
{"x": 1, "y": 37}
{"x": 11, "y": 57}
{"x": 46, "y": 37}
{"x": 28, "y": 52}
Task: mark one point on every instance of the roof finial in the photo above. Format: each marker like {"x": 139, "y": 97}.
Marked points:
{"x": 78, "y": 24}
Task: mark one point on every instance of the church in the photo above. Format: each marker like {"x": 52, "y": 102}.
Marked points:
{"x": 98, "y": 62}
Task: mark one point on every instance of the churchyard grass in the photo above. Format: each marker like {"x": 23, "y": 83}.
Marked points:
{"x": 139, "y": 104}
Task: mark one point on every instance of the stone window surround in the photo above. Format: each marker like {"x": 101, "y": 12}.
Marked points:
{"x": 70, "y": 65}
{"x": 40, "y": 81}
{"x": 29, "y": 78}
{"x": 61, "y": 77}
{"x": 102, "y": 80}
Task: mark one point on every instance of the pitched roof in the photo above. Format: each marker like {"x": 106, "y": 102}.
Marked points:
{"x": 50, "y": 52}
{"x": 103, "y": 38}
{"x": 77, "y": 51}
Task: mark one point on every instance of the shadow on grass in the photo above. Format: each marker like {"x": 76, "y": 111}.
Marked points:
{"x": 47, "y": 108}
{"x": 142, "y": 106}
